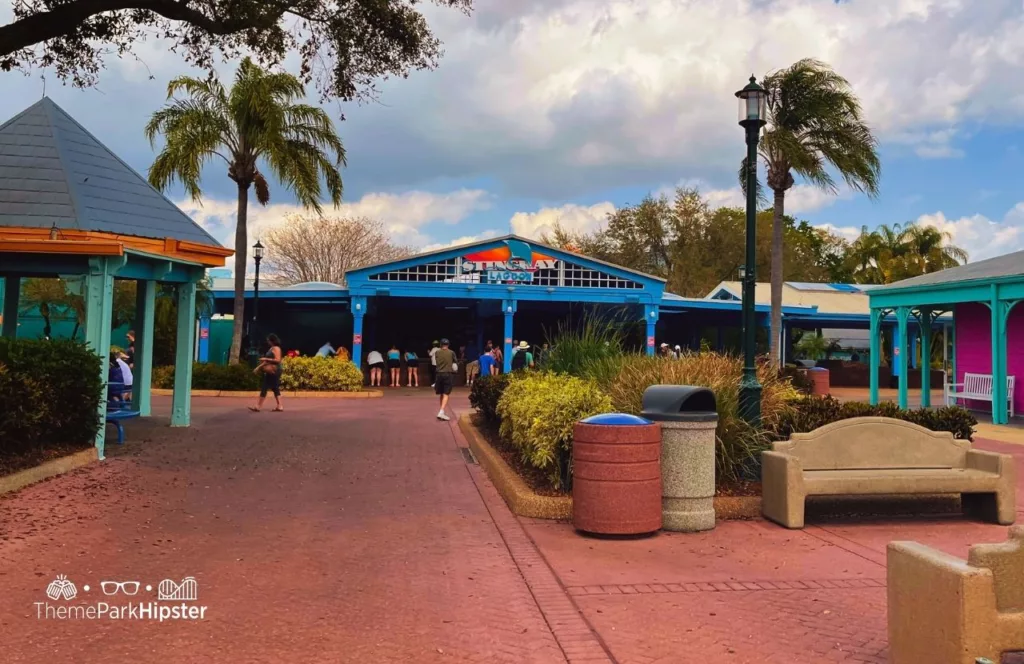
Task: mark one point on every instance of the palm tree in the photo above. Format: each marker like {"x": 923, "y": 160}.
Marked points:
{"x": 929, "y": 249}
{"x": 891, "y": 253}
{"x": 814, "y": 125}
{"x": 257, "y": 122}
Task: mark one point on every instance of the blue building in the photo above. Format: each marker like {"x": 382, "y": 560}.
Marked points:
{"x": 499, "y": 290}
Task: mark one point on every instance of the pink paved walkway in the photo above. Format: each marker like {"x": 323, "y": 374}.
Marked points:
{"x": 356, "y": 531}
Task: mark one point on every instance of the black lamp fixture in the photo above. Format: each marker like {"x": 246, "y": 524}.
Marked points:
{"x": 753, "y": 103}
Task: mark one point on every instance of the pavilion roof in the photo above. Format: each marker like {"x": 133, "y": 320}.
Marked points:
{"x": 1008, "y": 265}
{"x": 53, "y": 172}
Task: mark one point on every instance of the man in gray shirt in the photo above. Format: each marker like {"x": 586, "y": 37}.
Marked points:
{"x": 446, "y": 368}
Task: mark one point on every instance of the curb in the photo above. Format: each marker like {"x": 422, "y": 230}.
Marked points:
{"x": 520, "y": 498}
{"x": 46, "y": 470}
{"x": 362, "y": 394}
{"x": 523, "y": 501}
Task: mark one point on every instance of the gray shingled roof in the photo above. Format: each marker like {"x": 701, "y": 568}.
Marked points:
{"x": 1008, "y": 265}
{"x": 53, "y": 171}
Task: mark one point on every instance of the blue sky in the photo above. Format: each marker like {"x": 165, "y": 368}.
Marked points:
{"x": 561, "y": 110}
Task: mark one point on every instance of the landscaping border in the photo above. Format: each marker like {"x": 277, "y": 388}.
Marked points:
{"x": 306, "y": 394}
{"x": 47, "y": 469}
{"x": 522, "y": 500}
{"x": 517, "y": 494}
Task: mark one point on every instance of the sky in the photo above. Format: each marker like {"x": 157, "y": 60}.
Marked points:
{"x": 560, "y": 111}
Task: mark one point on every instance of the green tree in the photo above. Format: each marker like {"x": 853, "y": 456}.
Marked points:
{"x": 257, "y": 122}
{"x": 48, "y": 296}
{"x": 891, "y": 253}
{"x": 347, "y": 46}
{"x": 814, "y": 124}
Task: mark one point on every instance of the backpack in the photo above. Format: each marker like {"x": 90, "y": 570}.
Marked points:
{"x": 519, "y": 360}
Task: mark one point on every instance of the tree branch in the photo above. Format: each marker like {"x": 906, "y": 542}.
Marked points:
{"x": 64, "y": 19}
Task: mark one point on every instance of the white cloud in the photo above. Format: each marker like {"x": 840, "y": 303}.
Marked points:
{"x": 980, "y": 236}
{"x": 849, "y": 233}
{"x": 801, "y": 198}
{"x": 459, "y": 241}
{"x": 404, "y": 214}
{"x": 577, "y": 218}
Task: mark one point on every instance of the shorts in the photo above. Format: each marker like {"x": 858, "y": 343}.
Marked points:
{"x": 394, "y": 364}
{"x": 377, "y": 365}
{"x": 271, "y": 383}
{"x": 443, "y": 383}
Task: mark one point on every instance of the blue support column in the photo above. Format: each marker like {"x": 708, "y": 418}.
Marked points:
{"x": 203, "y": 346}
{"x": 902, "y": 315}
{"x": 651, "y": 318}
{"x": 145, "y": 311}
{"x": 508, "y": 310}
{"x": 185, "y": 341}
{"x": 358, "y": 311}
{"x": 12, "y": 293}
{"x": 99, "y": 305}
{"x": 926, "y": 357}
{"x": 999, "y": 409}
{"x": 875, "y": 354}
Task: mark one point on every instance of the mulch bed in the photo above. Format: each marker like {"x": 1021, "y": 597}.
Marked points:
{"x": 738, "y": 489}
{"x": 11, "y": 463}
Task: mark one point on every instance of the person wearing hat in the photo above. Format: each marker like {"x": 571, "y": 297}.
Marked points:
{"x": 434, "y": 347}
{"x": 444, "y": 361}
{"x": 522, "y": 358}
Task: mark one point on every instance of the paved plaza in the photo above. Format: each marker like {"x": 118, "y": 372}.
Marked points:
{"x": 360, "y": 530}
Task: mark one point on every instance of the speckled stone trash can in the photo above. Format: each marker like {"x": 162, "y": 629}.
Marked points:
{"x": 616, "y": 486}
{"x": 688, "y": 419}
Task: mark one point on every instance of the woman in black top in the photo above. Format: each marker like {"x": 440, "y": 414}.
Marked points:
{"x": 270, "y": 368}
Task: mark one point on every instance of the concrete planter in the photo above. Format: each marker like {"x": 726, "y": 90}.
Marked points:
{"x": 23, "y": 478}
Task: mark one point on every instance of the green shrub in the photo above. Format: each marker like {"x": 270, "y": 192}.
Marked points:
{"x": 485, "y": 393}
{"x": 586, "y": 349}
{"x": 50, "y": 391}
{"x": 739, "y": 445}
{"x": 206, "y": 376}
{"x": 810, "y": 413}
{"x": 538, "y": 411}
{"x": 320, "y": 374}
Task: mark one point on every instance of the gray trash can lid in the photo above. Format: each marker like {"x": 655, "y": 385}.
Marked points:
{"x": 679, "y": 403}
{"x": 616, "y": 419}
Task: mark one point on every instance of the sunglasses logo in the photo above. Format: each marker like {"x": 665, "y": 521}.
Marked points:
{"x": 126, "y": 587}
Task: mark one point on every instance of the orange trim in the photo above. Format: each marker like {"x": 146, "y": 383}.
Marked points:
{"x": 203, "y": 254}
{"x": 78, "y": 247}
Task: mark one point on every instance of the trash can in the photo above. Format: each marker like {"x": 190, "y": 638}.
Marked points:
{"x": 688, "y": 416}
{"x": 616, "y": 487}
{"x": 819, "y": 378}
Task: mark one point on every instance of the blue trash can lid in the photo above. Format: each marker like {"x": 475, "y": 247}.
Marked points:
{"x": 616, "y": 419}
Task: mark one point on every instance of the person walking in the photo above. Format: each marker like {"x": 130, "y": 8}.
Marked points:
{"x": 270, "y": 368}
{"x": 412, "y": 368}
{"x": 487, "y": 366}
{"x": 395, "y": 365}
{"x": 376, "y": 362}
{"x": 446, "y": 368}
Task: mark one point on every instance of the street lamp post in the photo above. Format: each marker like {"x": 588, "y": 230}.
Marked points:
{"x": 753, "y": 102}
{"x": 257, "y": 256}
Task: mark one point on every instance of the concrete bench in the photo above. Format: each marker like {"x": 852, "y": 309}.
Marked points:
{"x": 883, "y": 456}
{"x": 977, "y": 387}
{"x": 953, "y": 611}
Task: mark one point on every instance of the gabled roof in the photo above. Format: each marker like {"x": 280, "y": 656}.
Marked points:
{"x": 54, "y": 172}
{"x": 1008, "y": 265}
{"x": 827, "y": 298}
{"x": 496, "y": 240}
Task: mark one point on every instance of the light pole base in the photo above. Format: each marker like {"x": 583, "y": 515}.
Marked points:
{"x": 750, "y": 400}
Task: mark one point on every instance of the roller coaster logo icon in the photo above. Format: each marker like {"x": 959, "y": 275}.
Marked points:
{"x": 187, "y": 590}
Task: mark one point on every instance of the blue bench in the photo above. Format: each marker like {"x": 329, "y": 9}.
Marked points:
{"x": 118, "y": 409}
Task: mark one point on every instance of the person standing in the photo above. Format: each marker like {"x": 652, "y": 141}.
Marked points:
{"x": 522, "y": 358}
{"x": 129, "y": 354}
{"x": 412, "y": 367}
{"x": 433, "y": 363}
{"x": 395, "y": 365}
{"x": 486, "y": 361}
{"x": 446, "y": 368}
{"x": 327, "y": 350}
{"x": 376, "y": 362}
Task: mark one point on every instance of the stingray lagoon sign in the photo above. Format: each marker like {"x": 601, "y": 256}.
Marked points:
{"x": 514, "y": 261}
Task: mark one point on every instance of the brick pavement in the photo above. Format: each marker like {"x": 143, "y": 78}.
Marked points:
{"x": 345, "y": 531}
{"x": 341, "y": 531}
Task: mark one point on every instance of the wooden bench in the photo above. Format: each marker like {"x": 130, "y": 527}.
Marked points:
{"x": 977, "y": 387}
{"x": 883, "y": 456}
{"x": 945, "y": 609}
{"x": 118, "y": 409}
